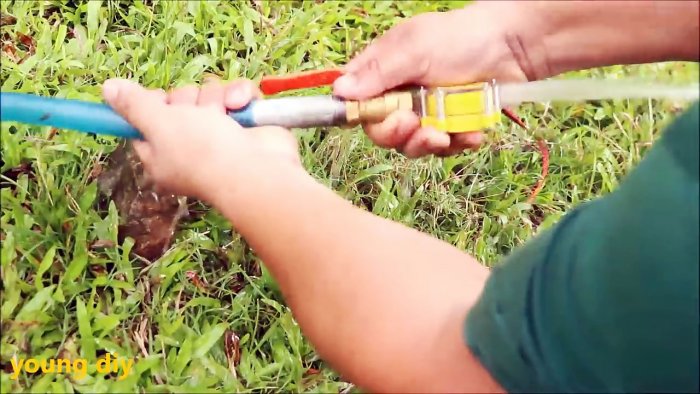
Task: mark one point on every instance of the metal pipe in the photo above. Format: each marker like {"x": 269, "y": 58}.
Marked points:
{"x": 293, "y": 112}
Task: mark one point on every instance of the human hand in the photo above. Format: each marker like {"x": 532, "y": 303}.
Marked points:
{"x": 477, "y": 43}
{"x": 190, "y": 143}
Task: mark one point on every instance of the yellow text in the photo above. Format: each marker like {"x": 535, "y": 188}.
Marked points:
{"x": 78, "y": 367}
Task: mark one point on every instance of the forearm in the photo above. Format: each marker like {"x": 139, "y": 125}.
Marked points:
{"x": 573, "y": 35}
{"x": 384, "y": 304}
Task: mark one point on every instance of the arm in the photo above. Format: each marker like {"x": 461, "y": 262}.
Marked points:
{"x": 509, "y": 41}
{"x": 384, "y": 304}
{"x": 561, "y": 36}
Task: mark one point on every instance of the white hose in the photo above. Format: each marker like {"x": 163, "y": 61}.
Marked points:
{"x": 576, "y": 90}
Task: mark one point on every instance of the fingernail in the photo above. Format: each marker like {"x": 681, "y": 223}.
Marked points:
{"x": 238, "y": 95}
{"x": 110, "y": 90}
{"x": 345, "y": 84}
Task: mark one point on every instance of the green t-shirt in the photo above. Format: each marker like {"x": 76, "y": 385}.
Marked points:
{"x": 606, "y": 300}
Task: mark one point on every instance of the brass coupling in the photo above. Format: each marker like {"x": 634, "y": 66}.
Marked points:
{"x": 377, "y": 109}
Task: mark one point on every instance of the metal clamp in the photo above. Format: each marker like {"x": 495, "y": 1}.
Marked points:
{"x": 460, "y": 109}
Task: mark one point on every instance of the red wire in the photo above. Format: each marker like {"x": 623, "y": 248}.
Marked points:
{"x": 544, "y": 151}
{"x": 302, "y": 80}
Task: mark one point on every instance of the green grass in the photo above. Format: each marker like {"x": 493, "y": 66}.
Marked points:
{"x": 64, "y": 297}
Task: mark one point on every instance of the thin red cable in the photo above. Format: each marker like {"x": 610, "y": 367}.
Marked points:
{"x": 302, "y": 80}
{"x": 545, "y": 170}
{"x": 544, "y": 151}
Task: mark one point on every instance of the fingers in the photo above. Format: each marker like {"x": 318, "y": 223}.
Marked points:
{"x": 401, "y": 130}
{"x": 184, "y": 96}
{"x": 471, "y": 140}
{"x": 240, "y": 93}
{"x": 212, "y": 94}
{"x": 144, "y": 109}
{"x": 389, "y": 62}
{"x": 217, "y": 94}
{"x": 461, "y": 142}
{"x": 394, "y": 131}
{"x": 426, "y": 141}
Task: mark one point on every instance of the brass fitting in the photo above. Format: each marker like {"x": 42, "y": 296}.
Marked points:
{"x": 377, "y": 109}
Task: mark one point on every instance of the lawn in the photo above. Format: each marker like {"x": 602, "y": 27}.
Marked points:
{"x": 207, "y": 316}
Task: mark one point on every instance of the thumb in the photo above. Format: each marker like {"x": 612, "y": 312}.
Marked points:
{"x": 144, "y": 109}
{"x": 382, "y": 66}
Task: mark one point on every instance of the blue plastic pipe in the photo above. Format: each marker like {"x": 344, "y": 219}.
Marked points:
{"x": 60, "y": 113}
{"x": 99, "y": 118}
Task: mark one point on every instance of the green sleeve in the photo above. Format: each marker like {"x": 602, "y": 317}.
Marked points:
{"x": 606, "y": 300}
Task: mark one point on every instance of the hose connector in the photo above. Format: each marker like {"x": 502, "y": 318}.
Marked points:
{"x": 377, "y": 109}
{"x": 454, "y": 109}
